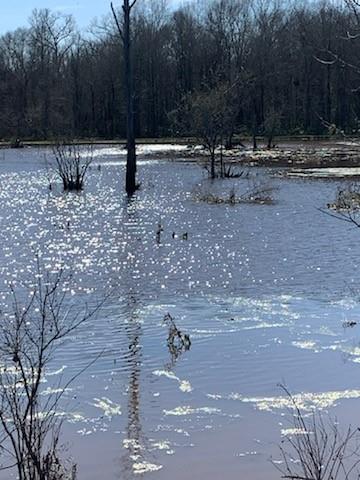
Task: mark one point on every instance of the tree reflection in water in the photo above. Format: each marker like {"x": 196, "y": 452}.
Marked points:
{"x": 135, "y": 440}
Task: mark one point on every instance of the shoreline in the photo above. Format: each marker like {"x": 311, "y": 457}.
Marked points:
{"x": 187, "y": 140}
{"x": 289, "y": 152}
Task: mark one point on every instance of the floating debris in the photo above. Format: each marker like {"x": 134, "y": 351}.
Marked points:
{"x": 307, "y": 402}
{"x": 146, "y": 467}
{"x": 187, "y": 410}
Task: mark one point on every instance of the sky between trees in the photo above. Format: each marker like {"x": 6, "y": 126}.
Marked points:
{"x": 15, "y": 13}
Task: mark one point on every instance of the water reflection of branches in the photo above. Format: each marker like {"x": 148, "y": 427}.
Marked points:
{"x": 135, "y": 439}
{"x": 134, "y": 428}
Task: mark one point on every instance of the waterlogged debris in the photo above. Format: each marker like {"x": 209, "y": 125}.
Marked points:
{"x": 353, "y": 353}
{"x": 109, "y": 408}
{"x": 145, "y": 149}
{"x": 262, "y": 325}
{"x": 84, "y": 432}
{"x": 131, "y": 443}
{"x": 305, "y": 345}
{"x": 186, "y": 410}
{"x": 184, "y": 385}
{"x": 294, "y": 431}
{"x": 332, "y": 172}
{"x": 306, "y": 402}
{"x": 347, "y": 200}
{"x": 54, "y": 391}
{"x": 246, "y": 454}
{"x": 171, "y": 428}
{"x": 71, "y": 417}
{"x": 146, "y": 467}
{"x": 274, "y": 306}
{"x": 75, "y": 417}
{"x": 256, "y": 194}
{"x": 325, "y": 330}
{"x": 163, "y": 446}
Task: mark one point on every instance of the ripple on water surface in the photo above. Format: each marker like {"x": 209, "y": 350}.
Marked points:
{"x": 261, "y": 290}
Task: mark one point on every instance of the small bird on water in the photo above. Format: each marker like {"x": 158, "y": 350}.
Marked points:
{"x": 159, "y": 230}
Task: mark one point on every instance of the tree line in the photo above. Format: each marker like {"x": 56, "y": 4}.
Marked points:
{"x": 276, "y": 68}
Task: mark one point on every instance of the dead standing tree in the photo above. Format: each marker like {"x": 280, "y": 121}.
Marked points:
{"x": 125, "y": 34}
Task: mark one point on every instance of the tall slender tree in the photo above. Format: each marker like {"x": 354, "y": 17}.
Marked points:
{"x": 125, "y": 34}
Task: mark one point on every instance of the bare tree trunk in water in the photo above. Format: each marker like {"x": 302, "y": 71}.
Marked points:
{"x": 254, "y": 128}
{"x": 125, "y": 33}
{"x": 270, "y": 140}
{"x": 212, "y": 165}
{"x": 222, "y": 170}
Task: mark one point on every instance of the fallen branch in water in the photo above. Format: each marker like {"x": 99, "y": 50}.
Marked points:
{"x": 177, "y": 341}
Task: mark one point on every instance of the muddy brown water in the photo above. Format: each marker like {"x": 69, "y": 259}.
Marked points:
{"x": 262, "y": 290}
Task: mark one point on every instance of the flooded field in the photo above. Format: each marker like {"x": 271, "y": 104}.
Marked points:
{"x": 264, "y": 292}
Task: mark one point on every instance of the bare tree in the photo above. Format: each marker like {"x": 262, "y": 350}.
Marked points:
{"x": 52, "y": 37}
{"x": 208, "y": 116}
{"x": 15, "y": 50}
{"x": 125, "y": 34}
{"x": 52, "y": 82}
{"x": 30, "y": 333}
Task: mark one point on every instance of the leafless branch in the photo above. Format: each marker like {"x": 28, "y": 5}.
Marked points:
{"x": 71, "y": 165}
{"x": 346, "y": 206}
{"x": 30, "y": 333}
{"x": 117, "y": 21}
{"x": 317, "y": 450}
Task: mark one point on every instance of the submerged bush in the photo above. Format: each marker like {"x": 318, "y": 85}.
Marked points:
{"x": 71, "y": 165}
{"x": 346, "y": 200}
{"x": 260, "y": 194}
{"x": 315, "y": 448}
{"x": 346, "y": 206}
